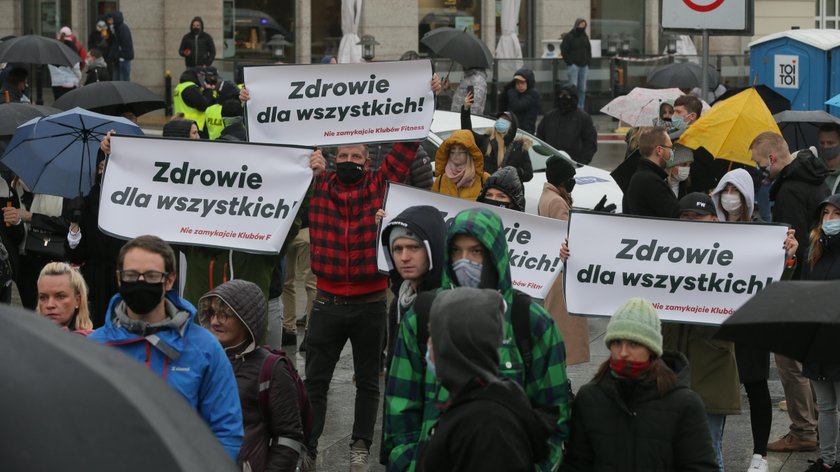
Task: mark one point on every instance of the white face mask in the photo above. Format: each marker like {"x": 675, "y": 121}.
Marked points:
{"x": 682, "y": 173}
{"x": 730, "y": 203}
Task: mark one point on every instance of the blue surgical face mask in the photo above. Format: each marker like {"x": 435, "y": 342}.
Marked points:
{"x": 831, "y": 227}
{"x": 430, "y": 366}
{"x": 677, "y": 122}
{"x": 467, "y": 272}
{"x": 502, "y": 125}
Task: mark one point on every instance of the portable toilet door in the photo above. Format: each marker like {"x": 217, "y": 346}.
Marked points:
{"x": 834, "y": 80}
{"x": 796, "y": 64}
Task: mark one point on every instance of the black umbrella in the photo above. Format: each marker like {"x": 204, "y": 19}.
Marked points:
{"x": 34, "y": 49}
{"x": 71, "y": 404}
{"x": 682, "y": 75}
{"x": 460, "y": 46}
{"x": 13, "y": 115}
{"x": 800, "y": 320}
{"x": 111, "y": 98}
{"x": 800, "y": 128}
{"x": 775, "y": 101}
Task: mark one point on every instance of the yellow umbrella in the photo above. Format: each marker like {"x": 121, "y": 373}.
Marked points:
{"x": 727, "y": 130}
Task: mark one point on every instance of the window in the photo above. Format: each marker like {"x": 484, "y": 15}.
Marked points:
{"x": 827, "y": 14}
{"x": 620, "y": 20}
{"x": 461, "y": 14}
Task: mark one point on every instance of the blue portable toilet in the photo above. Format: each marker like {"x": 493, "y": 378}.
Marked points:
{"x": 803, "y": 65}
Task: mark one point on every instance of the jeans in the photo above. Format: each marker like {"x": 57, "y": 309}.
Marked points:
{"x": 716, "y": 424}
{"x": 330, "y": 326}
{"x": 122, "y": 71}
{"x": 297, "y": 268}
{"x": 828, "y": 399}
{"x": 274, "y": 325}
{"x": 577, "y": 77}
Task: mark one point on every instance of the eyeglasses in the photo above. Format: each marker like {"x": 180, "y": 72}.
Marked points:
{"x": 666, "y": 147}
{"x": 208, "y": 315}
{"x": 150, "y": 276}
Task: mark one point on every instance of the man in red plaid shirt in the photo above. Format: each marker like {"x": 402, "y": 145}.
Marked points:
{"x": 350, "y": 299}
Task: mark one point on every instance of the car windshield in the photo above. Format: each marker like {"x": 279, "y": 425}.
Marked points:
{"x": 539, "y": 150}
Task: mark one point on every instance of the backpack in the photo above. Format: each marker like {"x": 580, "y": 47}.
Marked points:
{"x": 274, "y": 356}
{"x": 520, "y": 319}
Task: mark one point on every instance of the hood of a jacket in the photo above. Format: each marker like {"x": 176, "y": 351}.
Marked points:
{"x": 115, "y": 333}
{"x": 514, "y": 126}
{"x": 507, "y": 180}
{"x": 465, "y": 138}
{"x": 806, "y": 167}
{"x": 466, "y": 332}
{"x": 529, "y": 77}
{"x": 200, "y": 22}
{"x": 678, "y": 363}
{"x": 485, "y": 226}
{"x": 247, "y": 301}
{"x": 575, "y": 31}
{"x": 118, "y": 18}
{"x": 743, "y": 181}
{"x": 189, "y": 75}
{"x": 427, "y": 223}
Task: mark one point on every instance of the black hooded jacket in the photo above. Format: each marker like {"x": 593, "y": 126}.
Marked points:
{"x": 516, "y": 149}
{"x": 797, "y": 192}
{"x": 575, "y": 47}
{"x": 526, "y": 105}
{"x": 122, "y": 46}
{"x": 197, "y": 49}
{"x": 570, "y": 130}
{"x": 507, "y": 180}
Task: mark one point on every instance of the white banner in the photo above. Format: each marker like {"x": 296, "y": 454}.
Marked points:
{"x": 533, "y": 241}
{"x": 204, "y": 193}
{"x": 694, "y": 272}
{"x": 329, "y": 104}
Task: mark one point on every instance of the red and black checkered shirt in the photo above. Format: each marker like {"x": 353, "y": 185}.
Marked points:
{"x": 342, "y": 227}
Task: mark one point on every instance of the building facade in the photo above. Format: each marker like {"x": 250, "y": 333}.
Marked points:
{"x": 243, "y": 28}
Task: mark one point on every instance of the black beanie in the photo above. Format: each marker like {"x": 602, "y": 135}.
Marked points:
{"x": 177, "y": 128}
{"x": 231, "y": 108}
{"x": 558, "y": 170}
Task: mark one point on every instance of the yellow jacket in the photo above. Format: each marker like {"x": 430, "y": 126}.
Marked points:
{"x": 442, "y": 183}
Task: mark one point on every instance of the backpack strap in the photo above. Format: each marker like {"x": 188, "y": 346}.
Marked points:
{"x": 266, "y": 372}
{"x": 521, "y": 320}
{"x": 422, "y": 308}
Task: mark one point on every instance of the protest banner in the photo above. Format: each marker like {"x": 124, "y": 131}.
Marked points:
{"x": 204, "y": 193}
{"x": 691, "y": 271}
{"x": 533, "y": 241}
{"x": 323, "y": 105}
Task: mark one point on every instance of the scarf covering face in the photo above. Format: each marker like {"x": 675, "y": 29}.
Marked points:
{"x": 464, "y": 177}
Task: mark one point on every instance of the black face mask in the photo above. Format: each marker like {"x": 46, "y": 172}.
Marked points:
{"x": 349, "y": 172}
{"x": 141, "y": 297}
{"x": 566, "y": 103}
{"x": 196, "y": 30}
{"x": 494, "y": 202}
{"x": 570, "y": 185}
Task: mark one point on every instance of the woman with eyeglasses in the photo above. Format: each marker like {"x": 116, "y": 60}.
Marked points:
{"x": 62, "y": 297}
{"x": 459, "y": 167}
{"x": 235, "y": 313}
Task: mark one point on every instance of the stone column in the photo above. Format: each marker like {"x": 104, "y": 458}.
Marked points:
{"x": 394, "y": 28}
{"x": 303, "y": 32}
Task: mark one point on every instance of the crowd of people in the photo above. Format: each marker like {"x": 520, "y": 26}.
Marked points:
{"x": 475, "y": 370}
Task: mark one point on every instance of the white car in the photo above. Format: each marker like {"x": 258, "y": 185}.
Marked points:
{"x": 592, "y": 183}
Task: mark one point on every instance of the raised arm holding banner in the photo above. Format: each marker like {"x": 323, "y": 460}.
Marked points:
{"x": 230, "y": 195}
{"x": 533, "y": 241}
{"x": 339, "y": 104}
{"x": 692, "y": 272}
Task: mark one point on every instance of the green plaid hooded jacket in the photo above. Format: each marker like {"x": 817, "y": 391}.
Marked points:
{"x": 413, "y": 397}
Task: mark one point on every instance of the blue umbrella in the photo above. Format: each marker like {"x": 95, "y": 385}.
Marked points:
{"x": 56, "y": 155}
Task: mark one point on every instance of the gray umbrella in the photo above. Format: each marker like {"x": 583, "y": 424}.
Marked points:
{"x": 682, "y": 75}
{"x": 13, "y": 115}
{"x": 34, "y": 49}
{"x": 800, "y": 128}
{"x": 71, "y": 404}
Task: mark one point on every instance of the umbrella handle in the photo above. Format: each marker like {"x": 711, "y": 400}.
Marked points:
{"x": 451, "y": 64}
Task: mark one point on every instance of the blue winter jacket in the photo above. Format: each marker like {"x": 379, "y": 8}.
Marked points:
{"x": 202, "y": 373}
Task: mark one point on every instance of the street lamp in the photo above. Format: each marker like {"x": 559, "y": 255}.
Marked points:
{"x": 368, "y": 44}
{"x": 278, "y": 44}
